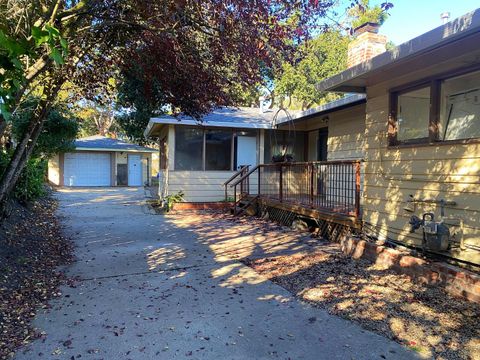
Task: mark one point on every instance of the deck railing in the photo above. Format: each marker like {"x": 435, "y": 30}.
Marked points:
{"x": 332, "y": 186}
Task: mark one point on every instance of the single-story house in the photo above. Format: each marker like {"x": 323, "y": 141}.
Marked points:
{"x": 404, "y": 141}
{"x": 198, "y": 157}
{"x": 103, "y": 161}
{"x": 421, "y": 144}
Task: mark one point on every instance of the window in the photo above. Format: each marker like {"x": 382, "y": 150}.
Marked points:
{"x": 188, "y": 148}
{"x": 413, "y": 114}
{"x": 218, "y": 150}
{"x": 440, "y": 110}
{"x": 460, "y": 107}
{"x": 279, "y": 142}
{"x": 199, "y": 149}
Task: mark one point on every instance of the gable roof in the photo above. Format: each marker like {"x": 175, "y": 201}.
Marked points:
{"x": 98, "y": 142}
{"x": 356, "y": 78}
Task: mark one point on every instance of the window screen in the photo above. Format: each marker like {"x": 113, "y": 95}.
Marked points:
{"x": 460, "y": 107}
{"x": 413, "y": 114}
{"x": 188, "y": 148}
{"x": 218, "y": 150}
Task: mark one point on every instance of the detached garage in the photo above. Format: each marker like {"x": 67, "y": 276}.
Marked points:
{"x": 102, "y": 161}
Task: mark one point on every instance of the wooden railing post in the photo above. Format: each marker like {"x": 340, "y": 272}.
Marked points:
{"x": 281, "y": 183}
{"x": 312, "y": 176}
{"x": 357, "y": 189}
{"x": 235, "y": 200}
{"x": 259, "y": 179}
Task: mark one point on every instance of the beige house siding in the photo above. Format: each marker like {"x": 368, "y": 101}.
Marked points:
{"x": 449, "y": 172}
{"x": 346, "y": 132}
{"x": 54, "y": 173}
{"x": 198, "y": 186}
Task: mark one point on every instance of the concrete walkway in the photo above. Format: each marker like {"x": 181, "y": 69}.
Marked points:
{"x": 149, "y": 289}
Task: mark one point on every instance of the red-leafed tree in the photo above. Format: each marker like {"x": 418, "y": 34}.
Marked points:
{"x": 189, "y": 52}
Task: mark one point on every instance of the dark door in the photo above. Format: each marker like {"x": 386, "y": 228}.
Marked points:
{"x": 322, "y": 156}
{"x": 122, "y": 174}
{"x": 322, "y": 144}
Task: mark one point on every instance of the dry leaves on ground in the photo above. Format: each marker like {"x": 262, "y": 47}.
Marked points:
{"x": 423, "y": 318}
{"x": 31, "y": 249}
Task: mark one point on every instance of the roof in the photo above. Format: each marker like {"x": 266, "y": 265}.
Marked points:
{"x": 344, "y": 102}
{"x": 355, "y": 78}
{"x": 229, "y": 117}
{"x": 97, "y": 142}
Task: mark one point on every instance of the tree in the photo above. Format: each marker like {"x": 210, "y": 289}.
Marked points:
{"x": 187, "y": 46}
{"x": 318, "y": 59}
{"x": 58, "y": 133}
{"x": 364, "y": 12}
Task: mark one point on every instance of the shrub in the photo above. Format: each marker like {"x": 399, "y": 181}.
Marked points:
{"x": 30, "y": 184}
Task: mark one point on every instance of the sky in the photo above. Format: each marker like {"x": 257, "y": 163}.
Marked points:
{"x": 411, "y": 18}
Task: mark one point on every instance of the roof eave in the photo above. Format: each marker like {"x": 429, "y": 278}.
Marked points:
{"x": 187, "y": 122}
{"x": 145, "y": 150}
{"x": 354, "y": 78}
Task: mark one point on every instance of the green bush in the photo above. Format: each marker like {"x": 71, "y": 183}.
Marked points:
{"x": 30, "y": 185}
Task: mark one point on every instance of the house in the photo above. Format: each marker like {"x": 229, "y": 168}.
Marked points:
{"x": 198, "y": 157}
{"x": 102, "y": 161}
{"x": 398, "y": 156}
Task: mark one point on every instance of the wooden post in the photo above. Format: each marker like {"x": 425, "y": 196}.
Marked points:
{"x": 357, "y": 189}
{"x": 259, "y": 177}
{"x": 312, "y": 172}
{"x": 281, "y": 183}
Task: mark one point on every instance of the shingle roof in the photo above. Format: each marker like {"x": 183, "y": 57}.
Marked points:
{"x": 101, "y": 142}
{"x": 245, "y": 117}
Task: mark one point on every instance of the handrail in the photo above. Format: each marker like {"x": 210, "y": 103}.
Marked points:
{"x": 239, "y": 172}
{"x": 296, "y": 163}
{"x": 327, "y": 185}
{"x": 246, "y": 175}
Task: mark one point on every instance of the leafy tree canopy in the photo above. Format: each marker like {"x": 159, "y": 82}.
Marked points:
{"x": 318, "y": 59}
{"x": 58, "y": 133}
{"x": 364, "y": 12}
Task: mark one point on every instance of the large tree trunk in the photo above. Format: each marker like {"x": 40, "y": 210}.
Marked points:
{"x": 22, "y": 152}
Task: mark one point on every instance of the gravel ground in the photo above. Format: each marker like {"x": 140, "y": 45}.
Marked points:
{"x": 423, "y": 318}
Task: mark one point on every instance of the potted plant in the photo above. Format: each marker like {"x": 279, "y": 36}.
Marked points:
{"x": 278, "y": 158}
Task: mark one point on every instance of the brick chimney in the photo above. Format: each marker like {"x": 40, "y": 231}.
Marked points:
{"x": 367, "y": 44}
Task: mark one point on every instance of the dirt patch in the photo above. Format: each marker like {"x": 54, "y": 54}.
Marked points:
{"x": 31, "y": 249}
{"x": 423, "y": 318}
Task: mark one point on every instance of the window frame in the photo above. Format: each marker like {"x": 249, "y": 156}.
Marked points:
{"x": 434, "y": 83}
{"x": 204, "y": 130}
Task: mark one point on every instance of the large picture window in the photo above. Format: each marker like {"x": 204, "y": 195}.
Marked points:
{"x": 218, "y": 150}
{"x": 443, "y": 109}
{"x": 188, "y": 148}
{"x": 199, "y": 149}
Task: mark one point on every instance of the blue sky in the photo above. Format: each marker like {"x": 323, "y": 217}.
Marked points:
{"x": 410, "y": 18}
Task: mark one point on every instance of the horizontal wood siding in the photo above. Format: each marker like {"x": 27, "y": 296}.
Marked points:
{"x": 202, "y": 186}
{"x": 346, "y": 134}
{"x": 440, "y": 171}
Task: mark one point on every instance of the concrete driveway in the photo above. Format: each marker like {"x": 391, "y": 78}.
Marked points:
{"x": 149, "y": 288}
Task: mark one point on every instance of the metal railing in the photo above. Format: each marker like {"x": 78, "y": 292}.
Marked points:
{"x": 244, "y": 184}
{"x": 332, "y": 186}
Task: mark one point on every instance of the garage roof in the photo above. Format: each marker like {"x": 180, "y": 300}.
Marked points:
{"x": 102, "y": 143}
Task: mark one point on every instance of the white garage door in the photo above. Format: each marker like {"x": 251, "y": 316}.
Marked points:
{"x": 87, "y": 169}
